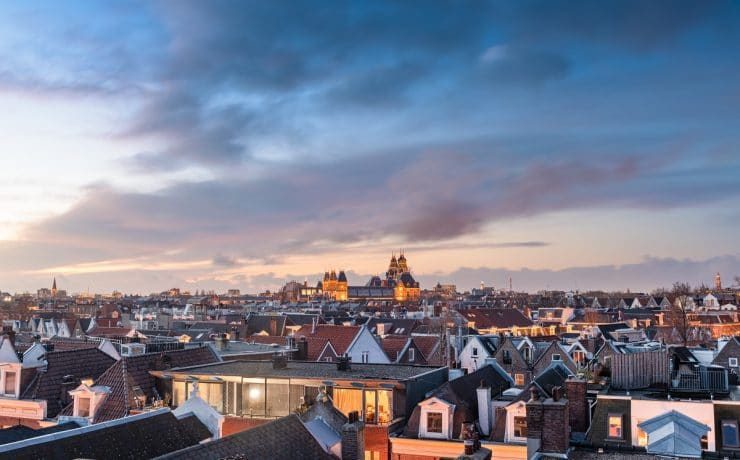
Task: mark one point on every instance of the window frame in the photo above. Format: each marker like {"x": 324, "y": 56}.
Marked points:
{"x": 441, "y": 422}
{"x": 412, "y": 355}
{"x": 79, "y": 403}
{"x": 559, "y": 357}
{"x": 520, "y": 436}
{"x": 517, "y": 379}
{"x": 14, "y": 373}
{"x": 609, "y": 417}
{"x": 729, "y": 362}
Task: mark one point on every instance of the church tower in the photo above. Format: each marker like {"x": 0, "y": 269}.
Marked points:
{"x": 717, "y": 282}
{"x": 54, "y": 287}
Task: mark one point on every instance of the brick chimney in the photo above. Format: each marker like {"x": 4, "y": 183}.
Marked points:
{"x": 578, "y": 409}
{"x": 302, "y": 350}
{"x": 353, "y": 438}
{"x": 548, "y": 427}
{"x": 344, "y": 363}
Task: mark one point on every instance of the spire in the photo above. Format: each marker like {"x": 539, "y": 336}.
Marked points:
{"x": 54, "y": 284}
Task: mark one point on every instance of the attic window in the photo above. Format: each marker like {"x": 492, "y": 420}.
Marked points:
{"x": 139, "y": 397}
{"x": 475, "y": 351}
{"x": 412, "y": 354}
{"x": 9, "y": 388}
{"x": 556, "y": 357}
{"x": 434, "y": 422}
{"x": 732, "y": 362}
{"x": 520, "y": 427}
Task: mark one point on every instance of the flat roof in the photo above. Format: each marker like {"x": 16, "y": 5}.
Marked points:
{"x": 306, "y": 369}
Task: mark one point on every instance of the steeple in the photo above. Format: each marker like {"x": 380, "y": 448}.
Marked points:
{"x": 54, "y": 287}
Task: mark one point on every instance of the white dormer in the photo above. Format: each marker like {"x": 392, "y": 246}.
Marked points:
{"x": 195, "y": 405}
{"x": 87, "y": 399}
{"x": 10, "y": 370}
{"x": 516, "y": 423}
{"x": 436, "y": 419}
{"x": 133, "y": 349}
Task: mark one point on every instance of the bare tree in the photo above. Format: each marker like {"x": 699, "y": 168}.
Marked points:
{"x": 678, "y": 317}
{"x": 681, "y": 289}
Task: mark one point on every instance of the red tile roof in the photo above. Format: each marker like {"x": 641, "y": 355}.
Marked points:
{"x": 429, "y": 346}
{"x": 99, "y": 331}
{"x": 341, "y": 337}
{"x": 393, "y": 346}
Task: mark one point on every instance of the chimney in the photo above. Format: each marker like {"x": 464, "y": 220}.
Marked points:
{"x": 344, "y": 363}
{"x": 313, "y": 325}
{"x": 534, "y": 423}
{"x": 279, "y": 361}
{"x": 575, "y": 391}
{"x": 69, "y": 383}
{"x": 353, "y": 438}
{"x": 469, "y": 434}
{"x": 302, "y": 353}
{"x": 548, "y": 429}
{"x": 484, "y": 409}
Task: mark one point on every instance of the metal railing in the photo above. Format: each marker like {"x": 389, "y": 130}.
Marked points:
{"x": 700, "y": 379}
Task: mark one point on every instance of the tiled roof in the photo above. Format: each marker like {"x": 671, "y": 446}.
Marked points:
{"x": 428, "y": 345}
{"x": 80, "y": 363}
{"x": 283, "y": 439}
{"x": 61, "y": 344}
{"x": 20, "y": 432}
{"x": 145, "y": 436}
{"x": 486, "y": 318}
{"x": 393, "y": 346}
{"x": 132, "y": 372}
{"x": 341, "y": 337}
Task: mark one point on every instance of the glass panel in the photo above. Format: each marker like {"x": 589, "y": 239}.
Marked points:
{"x": 434, "y": 422}
{"x": 297, "y": 396}
{"x": 253, "y": 399}
{"x": 213, "y": 394}
{"x": 729, "y": 433}
{"x": 278, "y": 402}
{"x": 385, "y": 406}
{"x": 9, "y": 383}
{"x": 347, "y": 400}
{"x": 371, "y": 409}
{"x": 179, "y": 391}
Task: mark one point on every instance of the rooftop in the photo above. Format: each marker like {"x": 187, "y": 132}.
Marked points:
{"x": 303, "y": 369}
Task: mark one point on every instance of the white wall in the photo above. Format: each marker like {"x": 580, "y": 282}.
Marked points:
{"x": 366, "y": 342}
{"x": 701, "y": 411}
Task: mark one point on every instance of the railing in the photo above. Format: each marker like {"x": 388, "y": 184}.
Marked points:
{"x": 700, "y": 379}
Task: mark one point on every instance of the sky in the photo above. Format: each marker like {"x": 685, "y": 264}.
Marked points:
{"x": 217, "y": 145}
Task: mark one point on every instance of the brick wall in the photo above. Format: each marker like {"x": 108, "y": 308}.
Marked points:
{"x": 376, "y": 438}
{"x": 555, "y": 428}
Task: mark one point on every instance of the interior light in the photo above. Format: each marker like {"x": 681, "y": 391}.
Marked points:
{"x": 254, "y": 393}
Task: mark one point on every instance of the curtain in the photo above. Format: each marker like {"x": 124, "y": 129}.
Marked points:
{"x": 347, "y": 400}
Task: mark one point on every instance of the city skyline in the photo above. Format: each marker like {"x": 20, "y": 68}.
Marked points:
{"x": 217, "y": 145}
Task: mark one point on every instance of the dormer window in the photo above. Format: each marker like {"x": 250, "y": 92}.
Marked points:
{"x": 475, "y": 351}
{"x": 412, "y": 355}
{"x": 436, "y": 419}
{"x": 556, "y": 357}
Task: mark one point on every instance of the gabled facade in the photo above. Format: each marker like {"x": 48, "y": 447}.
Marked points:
{"x": 510, "y": 358}
{"x": 554, "y": 354}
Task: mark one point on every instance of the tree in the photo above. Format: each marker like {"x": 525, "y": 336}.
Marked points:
{"x": 681, "y": 289}
{"x": 678, "y": 317}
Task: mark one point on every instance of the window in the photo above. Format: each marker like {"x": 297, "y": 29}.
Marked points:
{"x": 253, "y": 399}
{"x": 732, "y": 362}
{"x": 374, "y": 406}
{"x": 507, "y": 357}
{"x": 520, "y": 427}
{"x": 412, "y": 355}
{"x": 527, "y": 352}
{"x": 556, "y": 357}
{"x": 328, "y": 359}
{"x": 615, "y": 426}
{"x": 9, "y": 383}
{"x": 365, "y": 357}
{"x": 434, "y": 422}
{"x": 642, "y": 437}
{"x": 730, "y": 434}
{"x": 475, "y": 351}
{"x": 278, "y": 401}
{"x": 83, "y": 407}
{"x": 372, "y": 455}
{"x": 519, "y": 380}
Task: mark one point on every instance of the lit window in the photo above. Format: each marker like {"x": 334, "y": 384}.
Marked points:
{"x": 372, "y": 455}
{"x": 615, "y": 426}
{"x": 328, "y": 359}
{"x": 519, "y": 380}
{"x": 412, "y": 354}
{"x": 83, "y": 407}
{"x": 520, "y": 427}
{"x": 730, "y": 433}
{"x": 434, "y": 422}
{"x": 9, "y": 383}
{"x": 642, "y": 437}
